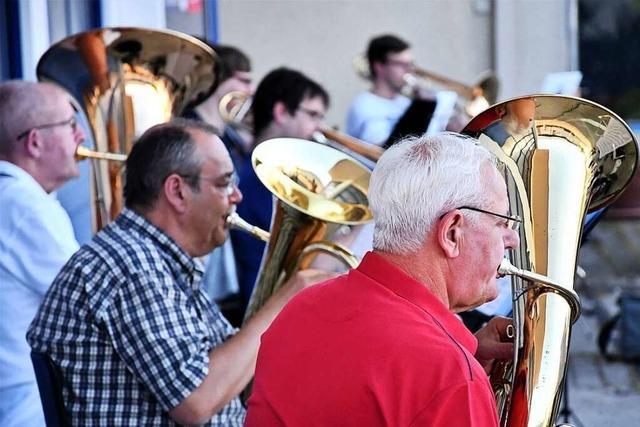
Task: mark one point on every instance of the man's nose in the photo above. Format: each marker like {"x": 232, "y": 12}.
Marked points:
{"x": 236, "y": 196}
{"x": 512, "y": 239}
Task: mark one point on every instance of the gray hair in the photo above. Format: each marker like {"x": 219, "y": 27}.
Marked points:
{"x": 23, "y": 105}
{"x": 419, "y": 179}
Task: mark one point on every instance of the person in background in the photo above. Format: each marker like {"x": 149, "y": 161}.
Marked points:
{"x": 234, "y": 75}
{"x": 374, "y": 113}
{"x": 38, "y": 140}
{"x": 286, "y": 104}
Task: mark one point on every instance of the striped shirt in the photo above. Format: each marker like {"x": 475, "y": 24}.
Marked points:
{"x": 130, "y": 329}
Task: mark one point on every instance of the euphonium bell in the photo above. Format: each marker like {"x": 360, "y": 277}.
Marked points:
{"x": 126, "y": 80}
{"x": 316, "y": 190}
{"x": 563, "y": 157}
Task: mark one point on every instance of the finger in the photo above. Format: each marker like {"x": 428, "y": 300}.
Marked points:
{"x": 501, "y": 351}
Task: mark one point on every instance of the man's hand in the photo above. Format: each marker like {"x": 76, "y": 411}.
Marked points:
{"x": 494, "y": 342}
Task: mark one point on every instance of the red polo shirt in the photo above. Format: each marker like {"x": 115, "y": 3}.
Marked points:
{"x": 370, "y": 348}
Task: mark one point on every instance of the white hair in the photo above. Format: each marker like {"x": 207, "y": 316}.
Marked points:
{"x": 420, "y": 179}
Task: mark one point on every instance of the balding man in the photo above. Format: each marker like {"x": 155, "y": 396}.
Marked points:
{"x": 38, "y": 140}
{"x": 147, "y": 347}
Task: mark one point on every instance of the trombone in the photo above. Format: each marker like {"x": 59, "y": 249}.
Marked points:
{"x": 476, "y": 97}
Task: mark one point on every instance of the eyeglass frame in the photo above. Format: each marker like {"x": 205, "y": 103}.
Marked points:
{"x": 513, "y": 222}
{"x": 230, "y": 187}
{"x": 316, "y": 116}
{"x": 72, "y": 121}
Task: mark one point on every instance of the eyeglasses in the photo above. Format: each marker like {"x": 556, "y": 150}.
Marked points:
{"x": 316, "y": 116}
{"x": 403, "y": 64}
{"x": 228, "y": 187}
{"x": 512, "y": 222}
{"x": 73, "y": 122}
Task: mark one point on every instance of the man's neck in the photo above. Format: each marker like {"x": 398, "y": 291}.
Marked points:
{"x": 209, "y": 112}
{"x": 383, "y": 90}
{"x": 36, "y": 172}
{"x": 269, "y": 132}
{"x": 420, "y": 266}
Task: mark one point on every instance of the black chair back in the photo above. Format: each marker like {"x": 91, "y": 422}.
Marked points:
{"x": 50, "y": 385}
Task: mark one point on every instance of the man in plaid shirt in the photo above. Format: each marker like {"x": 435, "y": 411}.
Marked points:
{"x": 125, "y": 321}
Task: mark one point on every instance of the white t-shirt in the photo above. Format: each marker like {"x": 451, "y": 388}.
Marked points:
{"x": 36, "y": 239}
{"x": 371, "y": 118}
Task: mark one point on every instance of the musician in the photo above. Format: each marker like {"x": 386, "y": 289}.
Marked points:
{"x": 374, "y": 113}
{"x": 286, "y": 104}
{"x": 234, "y": 75}
{"x": 38, "y": 140}
{"x": 135, "y": 338}
{"x": 382, "y": 345}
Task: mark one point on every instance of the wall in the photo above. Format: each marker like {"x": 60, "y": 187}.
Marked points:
{"x": 456, "y": 38}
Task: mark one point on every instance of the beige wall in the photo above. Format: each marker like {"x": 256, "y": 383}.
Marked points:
{"x": 454, "y": 38}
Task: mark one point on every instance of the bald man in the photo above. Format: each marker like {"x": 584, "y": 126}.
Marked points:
{"x": 38, "y": 141}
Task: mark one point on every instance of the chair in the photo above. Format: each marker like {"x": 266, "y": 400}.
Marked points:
{"x": 50, "y": 385}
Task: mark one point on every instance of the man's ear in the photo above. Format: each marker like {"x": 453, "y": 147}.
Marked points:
{"x": 449, "y": 231}
{"x": 376, "y": 68}
{"x": 280, "y": 112}
{"x": 33, "y": 144}
{"x": 176, "y": 191}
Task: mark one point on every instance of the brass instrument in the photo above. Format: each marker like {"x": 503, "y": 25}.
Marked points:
{"x": 317, "y": 189}
{"x": 476, "y": 97}
{"x": 562, "y": 157}
{"x": 126, "y": 80}
{"x": 235, "y": 109}
{"x": 85, "y": 153}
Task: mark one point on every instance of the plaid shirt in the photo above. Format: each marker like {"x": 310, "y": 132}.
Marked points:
{"x": 130, "y": 328}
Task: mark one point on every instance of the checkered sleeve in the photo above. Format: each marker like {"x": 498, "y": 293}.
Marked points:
{"x": 157, "y": 333}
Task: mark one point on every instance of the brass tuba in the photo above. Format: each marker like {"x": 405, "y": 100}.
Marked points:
{"x": 317, "y": 189}
{"x": 126, "y": 80}
{"x": 563, "y": 157}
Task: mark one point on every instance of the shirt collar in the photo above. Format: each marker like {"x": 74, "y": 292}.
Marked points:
{"x": 130, "y": 219}
{"x": 377, "y": 268}
{"x": 15, "y": 171}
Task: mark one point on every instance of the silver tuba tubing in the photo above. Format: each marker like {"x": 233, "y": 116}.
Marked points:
{"x": 563, "y": 157}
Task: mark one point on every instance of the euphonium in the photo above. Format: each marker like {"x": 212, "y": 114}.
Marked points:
{"x": 562, "y": 157}
{"x": 126, "y": 80}
{"x": 317, "y": 189}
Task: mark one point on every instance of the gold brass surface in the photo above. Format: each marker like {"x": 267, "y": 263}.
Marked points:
{"x": 562, "y": 157}
{"x": 83, "y": 152}
{"x": 317, "y": 189}
{"x": 126, "y": 80}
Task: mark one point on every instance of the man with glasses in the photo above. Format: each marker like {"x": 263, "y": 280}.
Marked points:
{"x": 382, "y": 345}
{"x": 38, "y": 141}
{"x": 374, "y": 113}
{"x": 286, "y": 104}
{"x": 126, "y": 322}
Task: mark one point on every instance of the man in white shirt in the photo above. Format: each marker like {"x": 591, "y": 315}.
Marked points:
{"x": 38, "y": 140}
{"x": 374, "y": 113}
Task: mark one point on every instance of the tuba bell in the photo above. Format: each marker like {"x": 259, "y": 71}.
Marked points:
{"x": 316, "y": 189}
{"x": 125, "y": 80}
{"x": 563, "y": 157}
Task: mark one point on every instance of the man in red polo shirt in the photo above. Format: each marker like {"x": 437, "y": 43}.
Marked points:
{"x": 381, "y": 345}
